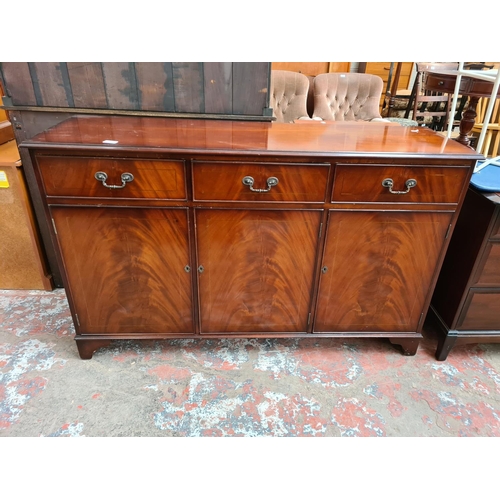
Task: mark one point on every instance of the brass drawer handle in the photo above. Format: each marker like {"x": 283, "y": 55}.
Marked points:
{"x": 271, "y": 181}
{"x": 388, "y": 183}
{"x": 102, "y": 176}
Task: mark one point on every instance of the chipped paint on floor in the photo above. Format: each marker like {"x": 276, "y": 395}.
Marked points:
{"x": 234, "y": 387}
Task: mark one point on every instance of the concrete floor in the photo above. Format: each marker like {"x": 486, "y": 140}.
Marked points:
{"x": 306, "y": 387}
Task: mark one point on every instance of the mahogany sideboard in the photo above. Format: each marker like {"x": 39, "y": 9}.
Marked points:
{"x": 168, "y": 228}
{"x": 467, "y": 295}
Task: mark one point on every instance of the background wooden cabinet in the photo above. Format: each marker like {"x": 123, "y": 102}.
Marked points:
{"x": 467, "y": 295}
{"x": 313, "y": 68}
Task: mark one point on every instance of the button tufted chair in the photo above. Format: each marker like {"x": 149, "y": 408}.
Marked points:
{"x": 289, "y": 96}
{"x": 347, "y": 97}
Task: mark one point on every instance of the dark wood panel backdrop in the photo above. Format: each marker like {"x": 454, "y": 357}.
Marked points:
{"x": 225, "y": 88}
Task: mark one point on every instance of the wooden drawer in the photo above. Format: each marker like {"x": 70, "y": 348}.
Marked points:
{"x": 363, "y": 183}
{"x": 488, "y": 273}
{"x": 223, "y": 181}
{"x": 495, "y": 231}
{"x": 66, "y": 176}
{"x": 481, "y": 310}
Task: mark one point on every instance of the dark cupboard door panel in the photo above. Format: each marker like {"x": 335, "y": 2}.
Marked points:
{"x": 379, "y": 269}
{"x": 258, "y": 269}
{"x": 126, "y": 268}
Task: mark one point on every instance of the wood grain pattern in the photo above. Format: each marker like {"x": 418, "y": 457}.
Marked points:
{"x": 188, "y": 87}
{"x": 87, "y": 84}
{"x": 68, "y": 176}
{"x": 467, "y": 295}
{"x": 351, "y": 139}
{"x": 495, "y": 232}
{"x": 371, "y": 283}
{"x": 172, "y": 87}
{"x": 468, "y": 86}
{"x": 307, "y": 68}
{"x": 49, "y": 80}
{"x": 18, "y": 83}
{"x": 481, "y": 310}
{"x": 258, "y": 269}
{"x": 261, "y": 262}
{"x": 156, "y": 86}
{"x": 121, "y": 282}
{"x": 223, "y": 181}
{"x": 218, "y": 78}
{"x": 19, "y": 261}
{"x": 488, "y": 273}
{"x": 434, "y": 184}
{"x": 250, "y": 88}
{"x": 121, "y": 85}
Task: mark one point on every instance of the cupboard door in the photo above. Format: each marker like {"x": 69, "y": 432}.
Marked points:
{"x": 379, "y": 267}
{"x": 257, "y": 269}
{"x": 125, "y": 268}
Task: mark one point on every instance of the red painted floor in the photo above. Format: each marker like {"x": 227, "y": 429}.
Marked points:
{"x": 306, "y": 387}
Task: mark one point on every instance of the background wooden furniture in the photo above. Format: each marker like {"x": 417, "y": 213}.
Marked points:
{"x": 467, "y": 296}
{"x": 22, "y": 262}
{"x": 22, "y": 259}
{"x": 474, "y": 88}
{"x": 429, "y": 101}
{"x": 312, "y": 68}
{"x": 383, "y": 69}
{"x": 6, "y": 131}
{"x": 248, "y": 229}
{"x": 491, "y": 144}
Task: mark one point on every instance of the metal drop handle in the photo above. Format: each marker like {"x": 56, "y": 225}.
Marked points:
{"x": 389, "y": 183}
{"x": 102, "y": 176}
{"x": 271, "y": 181}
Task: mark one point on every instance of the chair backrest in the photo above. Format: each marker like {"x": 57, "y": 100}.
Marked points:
{"x": 347, "y": 96}
{"x": 288, "y": 95}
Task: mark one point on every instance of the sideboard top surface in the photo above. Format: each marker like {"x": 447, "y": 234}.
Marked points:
{"x": 301, "y": 138}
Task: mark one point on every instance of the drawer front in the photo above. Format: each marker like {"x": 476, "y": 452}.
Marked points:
{"x": 363, "y": 183}
{"x": 223, "y": 181}
{"x": 495, "y": 231}
{"x": 488, "y": 273}
{"x": 481, "y": 310}
{"x": 69, "y": 176}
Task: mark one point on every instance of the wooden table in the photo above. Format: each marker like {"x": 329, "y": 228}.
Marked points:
{"x": 469, "y": 86}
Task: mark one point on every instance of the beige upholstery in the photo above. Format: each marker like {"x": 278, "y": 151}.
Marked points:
{"x": 347, "y": 96}
{"x": 289, "y": 95}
